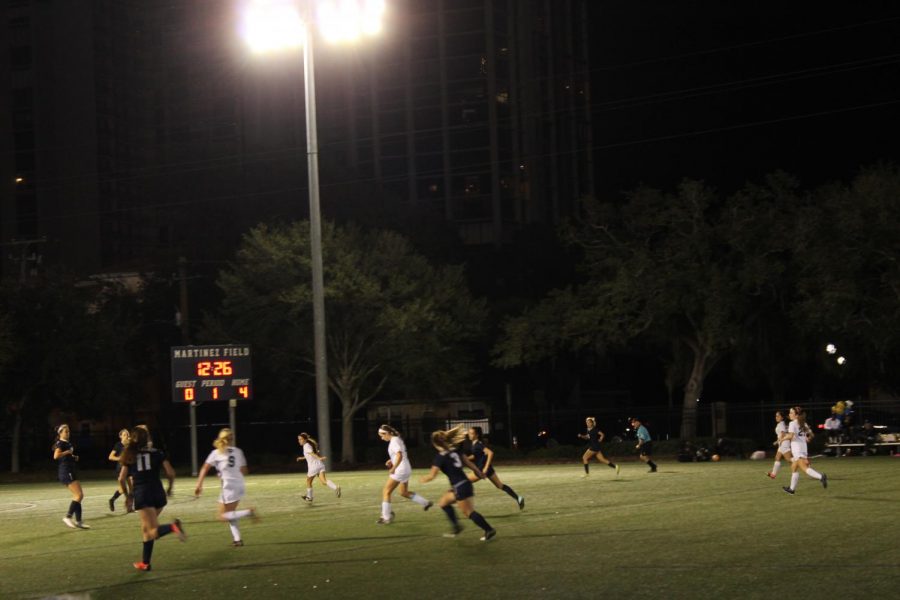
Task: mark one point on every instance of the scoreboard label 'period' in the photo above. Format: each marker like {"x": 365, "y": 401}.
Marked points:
{"x": 211, "y": 373}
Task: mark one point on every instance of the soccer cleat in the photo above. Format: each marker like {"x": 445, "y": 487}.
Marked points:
{"x": 69, "y": 522}
{"x": 521, "y": 501}
{"x": 770, "y": 475}
{"x": 788, "y": 490}
{"x": 112, "y": 505}
{"x": 653, "y": 469}
{"x": 488, "y": 535}
{"x": 586, "y": 475}
{"x": 824, "y": 481}
{"x": 142, "y": 566}
{"x": 429, "y": 505}
{"x": 337, "y": 491}
{"x": 618, "y": 468}
{"x": 253, "y": 515}
{"x": 237, "y": 543}
{"x": 81, "y": 525}
{"x": 383, "y": 521}
{"x": 307, "y": 498}
{"x": 178, "y": 529}
{"x": 455, "y": 531}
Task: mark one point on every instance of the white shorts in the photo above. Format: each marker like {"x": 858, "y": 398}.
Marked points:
{"x": 401, "y": 475}
{"x": 314, "y": 469}
{"x": 785, "y": 447}
{"x": 798, "y": 451}
{"x": 232, "y": 491}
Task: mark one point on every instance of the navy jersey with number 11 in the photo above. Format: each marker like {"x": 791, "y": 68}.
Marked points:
{"x": 145, "y": 468}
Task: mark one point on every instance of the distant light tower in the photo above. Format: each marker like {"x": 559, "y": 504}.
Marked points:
{"x": 277, "y": 25}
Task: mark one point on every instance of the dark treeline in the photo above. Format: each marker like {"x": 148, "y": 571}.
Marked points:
{"x": 670, "y": 295}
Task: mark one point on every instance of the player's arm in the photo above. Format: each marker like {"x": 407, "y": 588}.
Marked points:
{"x": 113, "y": 457}
{"x": 200, "y": 477}
{"x": 395, "y": 462}
{"x": 170, "y": 475}
{"x": 244, "y": 470}
{"x": 430, "y": 475}
{"x": 490, "y": 458}
{"x": 473, "y": 466}
{"x": 600, "y": 436}
{"x": 57, "y": 453}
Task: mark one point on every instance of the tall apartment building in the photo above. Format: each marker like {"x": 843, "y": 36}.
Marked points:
{"x": 132, "y": 132}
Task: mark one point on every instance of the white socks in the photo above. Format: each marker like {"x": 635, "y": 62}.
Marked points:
{"x": 330, "y": 484}
{"x": 386, "y": 511}
{"x": 309, "y": 493}
{"x": 813, "y": 473}
{"x": 235, "y": 532}
{"x": 234, "y": 515}
{"x": 776, "y": 467}
{"x": 795, "y": 479}
{"x": 419, "y": 499}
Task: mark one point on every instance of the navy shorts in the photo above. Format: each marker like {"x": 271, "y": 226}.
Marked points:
{"x": 463, "y": 490}
{"x": 149, "y": 496}
{"x": 67, "y": 476}
{"x": 646, "y": 449}
{"x": 594, "y": 448}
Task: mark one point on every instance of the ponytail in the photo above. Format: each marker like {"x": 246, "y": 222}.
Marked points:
{"x": 311, "y": 441}
{"x": 448, "y": 439}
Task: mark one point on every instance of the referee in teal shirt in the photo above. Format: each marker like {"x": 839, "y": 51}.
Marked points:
{"x": 644, "y": 445}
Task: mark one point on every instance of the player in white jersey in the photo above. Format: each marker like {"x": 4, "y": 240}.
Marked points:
{"x": 231, "y": 467}
{"x": 401, "y": 471}
{"x": 784, "y": 446}
{"x": 315, "y": 466}
{"x": 798, "y": 433}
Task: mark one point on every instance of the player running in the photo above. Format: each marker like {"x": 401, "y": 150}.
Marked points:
{"x": 783, "y": 445}
{"x": 449, "y": 461}
{"x": 231, "y": 466}
{"x": 483, "y": 458}
{"x": 143, "y": 463}
{"x": 798, "y": 433}
{"x": 644, "y": 445}
{"x": 315, "y": 466}
{"x": 400, "y": 472}
{"x": 594, "y": 437}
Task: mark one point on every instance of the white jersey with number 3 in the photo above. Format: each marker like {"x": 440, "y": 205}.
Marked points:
{"x": 228, "y": 464}
{"x": 798, "y": 443}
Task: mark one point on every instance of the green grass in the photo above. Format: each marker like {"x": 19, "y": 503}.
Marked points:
{"x": 713, "y": 530}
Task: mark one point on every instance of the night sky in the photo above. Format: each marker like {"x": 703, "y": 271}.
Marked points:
{"x": 729, "y": 91}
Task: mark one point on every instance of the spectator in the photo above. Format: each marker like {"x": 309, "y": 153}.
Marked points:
{"x": 833, "y": 431}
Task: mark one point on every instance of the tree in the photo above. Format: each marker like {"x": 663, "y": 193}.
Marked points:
{"x": 394, "y": 321}
{"x": 669, "y": 270}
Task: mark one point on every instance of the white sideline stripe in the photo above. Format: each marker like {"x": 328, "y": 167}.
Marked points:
{"x": 27, "y": 506}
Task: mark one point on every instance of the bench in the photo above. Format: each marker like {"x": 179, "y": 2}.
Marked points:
{"x": 860, "y": 445}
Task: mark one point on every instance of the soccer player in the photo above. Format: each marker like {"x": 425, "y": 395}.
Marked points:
{"x": 400, "y": 472}
{"x": 644, "y": 445}
{"x": 231, "y": 465}
{"x": 594, "y": 437}
{"x": 783, "y": 445}
{"x": 483, "y": 458}
{"x": 451, "y": 462}
{"x": 798, "y": 433}
{"x": 143, "y": 463}
{"x": 315, "y": 466}
{"x": 64, "y": 454}
{"x": 114, "y": 455}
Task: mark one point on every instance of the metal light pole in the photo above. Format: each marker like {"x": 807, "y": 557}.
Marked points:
{"x": 323, "y": 410}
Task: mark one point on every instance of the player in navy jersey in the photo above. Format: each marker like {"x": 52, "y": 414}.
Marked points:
{"x": 143, "y": 463}
{"x": 64, "y": 454}
{"x": 114, "y": 455}
{"x": 483, "y": 458}
{"x": 594, "y": 438}
{"x": 450, "y": 462}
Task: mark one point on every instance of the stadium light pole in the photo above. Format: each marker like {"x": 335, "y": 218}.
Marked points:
{"x": 276, "y": 25}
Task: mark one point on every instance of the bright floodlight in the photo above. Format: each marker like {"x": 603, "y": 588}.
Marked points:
{"x": 830, "y": 349}
{"x": 347, "y": 20}
{"x": 270, "y": 25}
{"x": 841, "y": 360}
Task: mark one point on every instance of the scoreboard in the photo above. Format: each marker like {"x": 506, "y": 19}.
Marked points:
{"x": 211, "y": 373}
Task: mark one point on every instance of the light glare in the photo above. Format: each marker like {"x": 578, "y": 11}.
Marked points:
{"x": 348, "y": 20}
{"x": 270, "y": 25}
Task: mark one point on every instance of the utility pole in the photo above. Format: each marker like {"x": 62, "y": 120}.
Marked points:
{"x": 186, "y": 341}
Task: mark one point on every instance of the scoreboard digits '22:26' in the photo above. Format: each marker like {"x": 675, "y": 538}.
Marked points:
{"x": 211, "y": 373}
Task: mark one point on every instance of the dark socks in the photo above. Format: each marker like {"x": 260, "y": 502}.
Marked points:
{"x": 164, "y": 530}
{"x": 652, "y": 464}
{"x": 587, "y": 468}
{"x": 451, "y": 514}
{"x": 116, "y": 495}
{"x": 611, "y": 465}
{"x": 476, "y": 518}
{"x": 73, "y": 506}
{"x": 148, "y": 551}
{"x": 510, "y": 491}
{"x": 77, "y": 511}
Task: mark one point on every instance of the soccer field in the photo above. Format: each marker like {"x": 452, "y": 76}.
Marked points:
{"x": 710, "y": 530}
